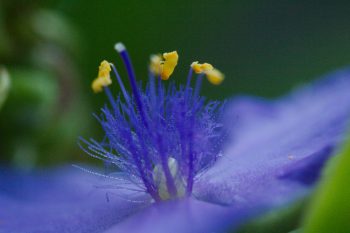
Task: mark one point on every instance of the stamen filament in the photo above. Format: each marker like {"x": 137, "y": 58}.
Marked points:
{"x": 110, "y": 97}
{"x": 198, "y": 85}
{"x": 188, "y": 83}
{"x": 120, "y": 82}
{"x": 189, "y": 77}
{"x": 164, "y": 161}
{"x": 190, "y": 166}
{"x": 160, "y": 93}
{"x": 150, "y": 188}
{"x": 120, "y": 48}
{"x": 152, "y": 81}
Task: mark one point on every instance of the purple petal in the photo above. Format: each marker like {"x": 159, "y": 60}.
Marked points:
{"x": 63, "y": 200}
{"x": 185, "y": 216}
{"x": 273, "y": 141}
{"x": 307, "y": 170}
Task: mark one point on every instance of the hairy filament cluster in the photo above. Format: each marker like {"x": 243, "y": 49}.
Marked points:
{"x": 162, "y": 137}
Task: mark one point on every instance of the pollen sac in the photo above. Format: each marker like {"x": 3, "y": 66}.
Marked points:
{"x": 215, "y": 76}
{"x": 160, "y": 180}
{"x": 163, "y": 68}
{"x": 103, "y": 78}
{"x": 201, "y": 68}
{"x": 156, "y": 64}
{"x": 169, "y": 64}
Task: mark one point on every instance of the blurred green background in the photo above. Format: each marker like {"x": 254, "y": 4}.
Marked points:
{"x": 50, "y": 51}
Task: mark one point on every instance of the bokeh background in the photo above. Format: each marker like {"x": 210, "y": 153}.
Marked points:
{"x": 50, "y": 51}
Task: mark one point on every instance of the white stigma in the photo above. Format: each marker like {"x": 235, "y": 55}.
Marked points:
{"x": 120, "y": 47}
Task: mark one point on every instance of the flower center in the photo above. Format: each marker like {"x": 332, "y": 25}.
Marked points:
{"x": 161, "y": 136}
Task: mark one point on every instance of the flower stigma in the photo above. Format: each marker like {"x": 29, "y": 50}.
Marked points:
{"x": 162, "y": 137}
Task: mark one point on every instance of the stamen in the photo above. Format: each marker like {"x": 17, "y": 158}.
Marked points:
{"x": 190, "y": 164}
{"x": 110, "y": 97}
{"x": 201, "y": 68}
{"x": 189, "y": 77}
{"x": 149, "y": 186}
{"x": 103, "y": 78}
{"x": 152, "y": 87}
{"x": 120, "y": 82}
{"x": 188, "y": 83}
{"x": 207, "y": 67}
{"x": 120, "y": 48}
{"x": 169, "y": 64}
{"x": 156, "y": 64}
{"x": 198, "y": 85}
{"x": 165, "y": 68}
{"x": 170, "y": 184}
{"x": 215, "y": 76}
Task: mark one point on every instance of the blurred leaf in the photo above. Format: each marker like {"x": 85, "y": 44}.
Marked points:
{"x": 5, "y": 84}
{"x": 34, "y": 93}
{"x": 277, "y": 221}
{"x": 51, "y": 26}
{"x": 330, "y": 209}
{"x": 29, "y": 108}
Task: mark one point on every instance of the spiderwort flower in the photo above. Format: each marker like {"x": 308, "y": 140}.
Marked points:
{"x": 274, "y": 153}
{"x": 161, "y": 138}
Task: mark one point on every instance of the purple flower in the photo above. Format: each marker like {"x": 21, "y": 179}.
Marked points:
{"x": 182, "y": 163}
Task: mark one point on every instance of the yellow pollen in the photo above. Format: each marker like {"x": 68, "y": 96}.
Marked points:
{"x": 103, "y": 78}
{"x": 196, "y": 67}
{"x": 163, "y": 68}
{"x": 169, "y": 64}
{"x": 199, "y": 68}
{"x": 156, "y": 64}
{"x": 215, "y": 76}
{"x": 207, "y": 67}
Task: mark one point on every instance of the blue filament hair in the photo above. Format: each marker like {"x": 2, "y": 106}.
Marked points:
{"x": 161, "y": 136}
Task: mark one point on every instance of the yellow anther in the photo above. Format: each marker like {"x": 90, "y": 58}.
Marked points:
{"x": 215, "y": 76}
{"x": 103, "y": 78}
{"x": 199, "y": 68}
{"x": 156, "y": 64}
{"x": 207, "y": 67}
{"x": 164, "y": 68}
{"x": 196, "y": 67}
{"x": 169, "y": 64}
